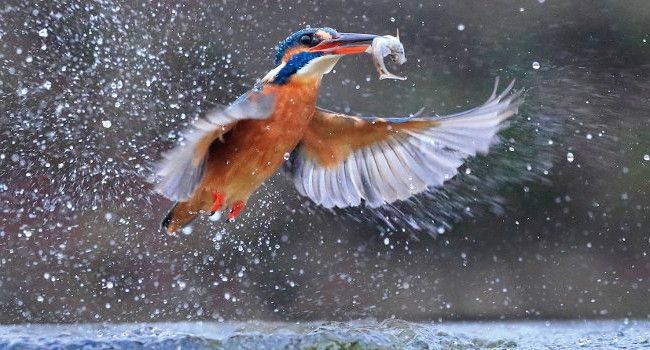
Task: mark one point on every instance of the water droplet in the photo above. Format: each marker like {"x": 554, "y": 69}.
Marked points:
{"x": 460, "y": 27}
{"x": 106, "y": 123}
{"x": 570, "y": 157}
{"x": 109, "y": 285}
{"x": 536, "y": 65}
{"x": 286, "y": 156}
{"x": 40, "y": 298}
{"x": 646, "y": 157}
{"x": 392, "y": 19}
{"x": 42, "y": 33}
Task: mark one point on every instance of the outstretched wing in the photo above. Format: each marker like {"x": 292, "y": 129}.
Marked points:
{"x": 343, "y": 159}
{"x": 182, "y": 168}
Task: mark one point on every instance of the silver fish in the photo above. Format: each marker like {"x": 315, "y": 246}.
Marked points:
{"x": 383, "y": 46}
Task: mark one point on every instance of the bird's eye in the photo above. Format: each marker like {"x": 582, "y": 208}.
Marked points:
{"x": 315, "y": 40}
{"x": 305, "y": 39}
{"x": 310, "y": 40}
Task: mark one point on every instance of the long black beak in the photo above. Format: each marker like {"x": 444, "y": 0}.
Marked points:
{"x": 345, "y": 44}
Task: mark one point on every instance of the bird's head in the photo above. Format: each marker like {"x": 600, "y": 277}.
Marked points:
{"x": 312, "y": 52}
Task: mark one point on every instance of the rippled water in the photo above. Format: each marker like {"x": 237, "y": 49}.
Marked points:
{"x": 390, "y": 334}
{"x": 553, "y": 223}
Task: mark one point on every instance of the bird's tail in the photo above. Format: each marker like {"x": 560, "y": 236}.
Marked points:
{"x": 180, "y": 215}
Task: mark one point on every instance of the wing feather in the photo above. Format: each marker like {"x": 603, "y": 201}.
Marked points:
{"x": 181, "y": 170}
{"x": 418, "y": 174}
{"x": 354, "y": 180}
{"x": 345, "y": 160}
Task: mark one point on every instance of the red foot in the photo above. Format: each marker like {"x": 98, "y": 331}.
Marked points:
{"x": 236, "y": 208}
{"x": 218, "y": 199}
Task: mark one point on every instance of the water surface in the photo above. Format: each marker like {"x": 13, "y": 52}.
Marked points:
{"x": 390, "y": 334}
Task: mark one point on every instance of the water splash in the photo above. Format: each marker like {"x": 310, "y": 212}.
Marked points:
{"x": 90, "y": 103}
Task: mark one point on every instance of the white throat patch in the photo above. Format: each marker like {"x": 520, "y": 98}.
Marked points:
{"x": 319, "y": 66}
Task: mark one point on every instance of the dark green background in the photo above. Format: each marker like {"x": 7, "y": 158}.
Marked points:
{"x": 571, "y": 242}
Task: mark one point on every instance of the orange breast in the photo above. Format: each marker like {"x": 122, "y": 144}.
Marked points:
{"x": 254, "y": 149}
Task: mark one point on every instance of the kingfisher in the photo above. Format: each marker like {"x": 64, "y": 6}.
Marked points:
{"x": 334, "y": 159}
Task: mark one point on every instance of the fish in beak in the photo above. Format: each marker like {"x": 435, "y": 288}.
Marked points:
{"x": 378, "y": 46}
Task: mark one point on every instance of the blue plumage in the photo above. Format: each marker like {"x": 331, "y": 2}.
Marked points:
{"x": 296, "y": 62}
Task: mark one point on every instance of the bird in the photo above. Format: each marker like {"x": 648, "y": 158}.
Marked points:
{"x": 336, "y": 160}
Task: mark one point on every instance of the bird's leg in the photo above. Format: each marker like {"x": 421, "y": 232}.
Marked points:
{"x": 218, "y": 199}
{"x": 236, "y": 208}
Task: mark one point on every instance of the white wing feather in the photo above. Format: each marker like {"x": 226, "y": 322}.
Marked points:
{"x": 407, "y": 163}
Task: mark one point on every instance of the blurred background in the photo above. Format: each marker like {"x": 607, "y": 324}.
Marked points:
{"x": 552, "y": 224}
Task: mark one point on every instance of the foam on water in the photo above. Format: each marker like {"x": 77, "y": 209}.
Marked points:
{"x": 367, "y": 334}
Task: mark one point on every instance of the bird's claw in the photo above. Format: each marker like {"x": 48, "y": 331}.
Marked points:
{"x": 217, "y": 198}
{"x": 236, "y": 209}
